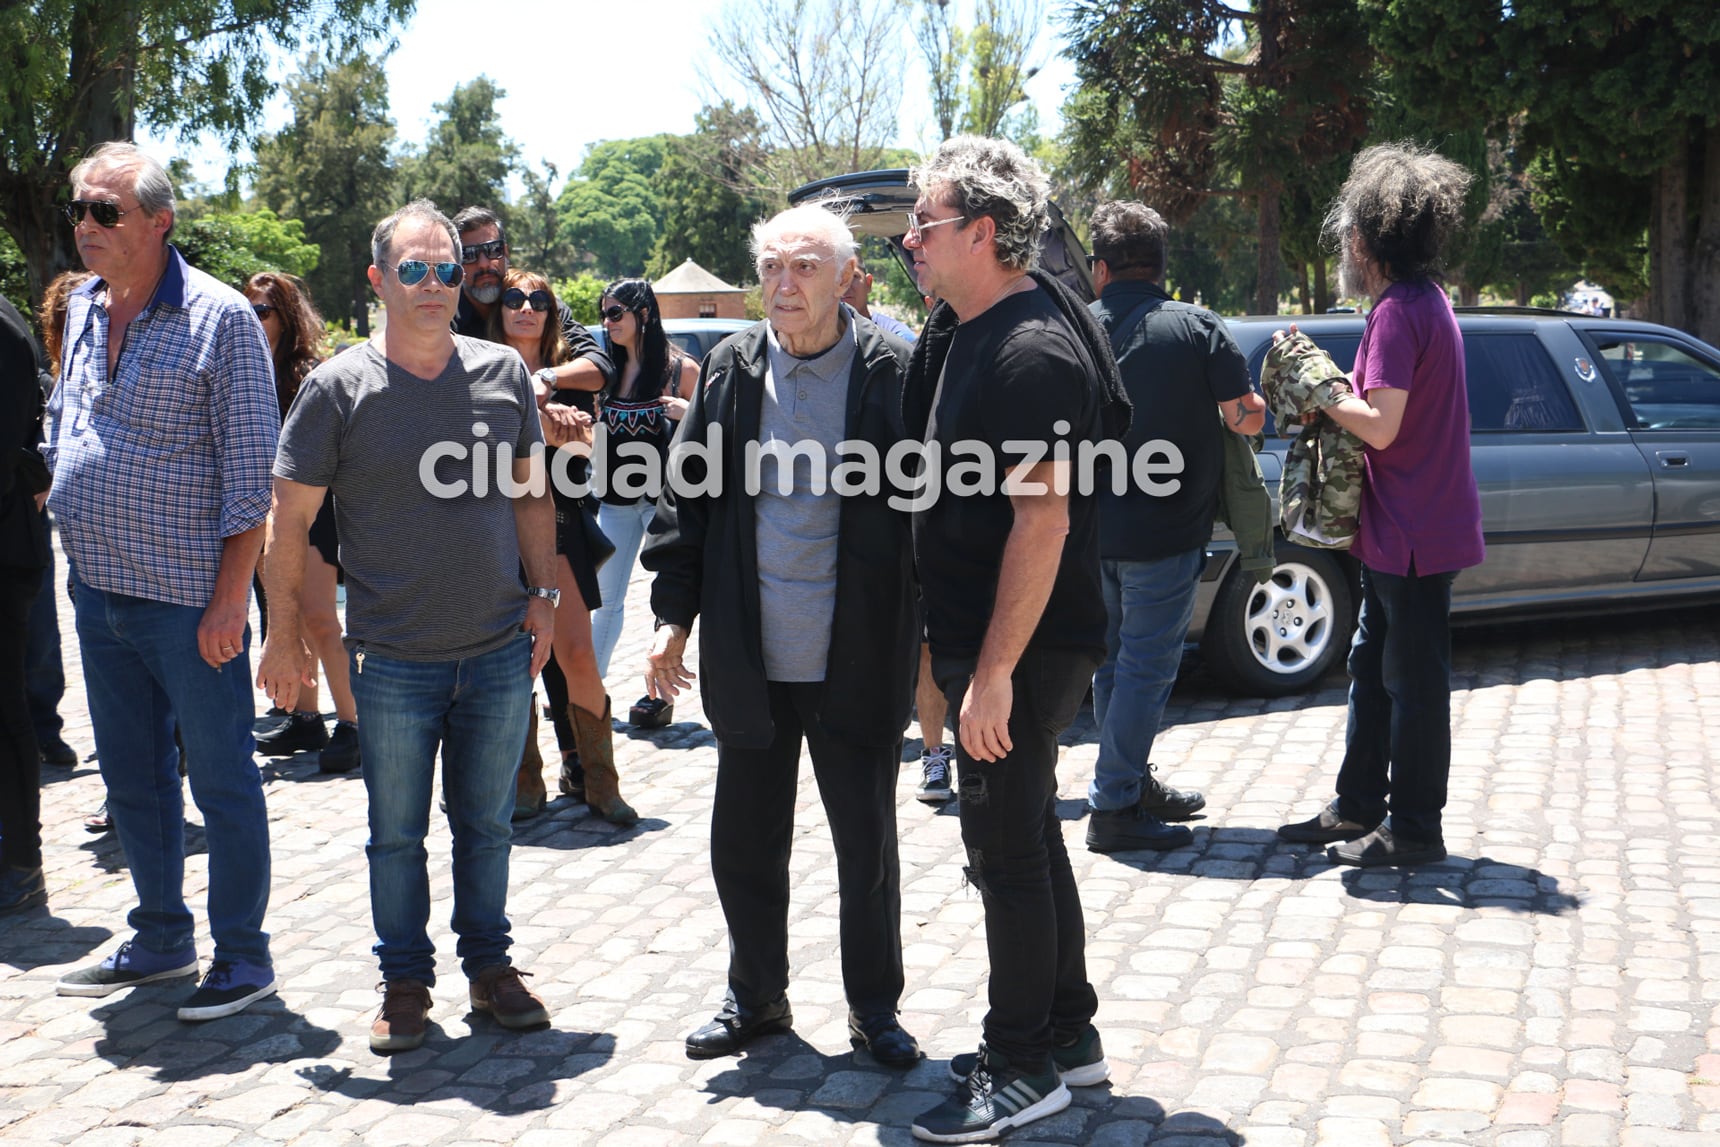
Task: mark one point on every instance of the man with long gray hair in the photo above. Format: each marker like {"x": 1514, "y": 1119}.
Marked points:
{"x": 1014, "y": 613}
{"x": 1421, "y": 513}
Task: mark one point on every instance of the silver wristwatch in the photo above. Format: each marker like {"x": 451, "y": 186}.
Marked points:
{"x": 552, "y": 595}
{"x": 546, "y": 376}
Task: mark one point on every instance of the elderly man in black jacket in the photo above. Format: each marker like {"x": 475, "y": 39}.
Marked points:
{"x": 811, "y": 629}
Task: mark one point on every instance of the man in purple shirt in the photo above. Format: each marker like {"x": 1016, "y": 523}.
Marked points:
{"x": 1421, "y": 513}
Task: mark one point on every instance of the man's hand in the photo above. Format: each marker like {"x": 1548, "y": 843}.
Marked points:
{"x": 984, "y": 719}
{"x": 565, "y": 424}
{"x": 668, "y": 674}
{"x": 540, "y": 623}
{"x": 221, "y": 633}
{"x": 285, "y": 665}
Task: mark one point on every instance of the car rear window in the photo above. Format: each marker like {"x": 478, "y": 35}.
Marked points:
{"x": 1514, "y": 387}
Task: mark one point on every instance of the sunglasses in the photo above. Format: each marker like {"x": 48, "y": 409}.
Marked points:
{"x": 264, "y": 310}
{"x": 494, "y": 249}
{"x": 918, "y": 226}
{"x": 513, "y": 298}
{"x": 613, "y": 312}
{"x": 412, "y": 272}
{"x": 107, "y": 214}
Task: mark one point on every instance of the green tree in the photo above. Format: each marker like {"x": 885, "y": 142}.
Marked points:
{"x": 613, "y": 213}
{"x": 702, "y": 186}
{"x": 995, "y": 57}
{"x": 332, "y": 168}
{"x": 581, "y": 294}
{"x": 75, "y": 73}
{"x": 1165, "y": 112}
{"x": 234, "y": 247}
{"x": 467, "y": 159}
{"x": 1618, "y": 103}
{"x": 534, "y": 229}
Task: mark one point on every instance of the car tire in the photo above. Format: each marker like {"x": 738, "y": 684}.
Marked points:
{"x": 1279, "y": 637}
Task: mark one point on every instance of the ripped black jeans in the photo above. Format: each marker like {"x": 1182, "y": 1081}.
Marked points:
{"x": 1034, "y": 932}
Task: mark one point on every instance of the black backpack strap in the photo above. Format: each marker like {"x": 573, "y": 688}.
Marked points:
{"x": 1122, "y": 331}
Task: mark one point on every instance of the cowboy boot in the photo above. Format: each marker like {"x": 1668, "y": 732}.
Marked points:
{"x": 529, "y": 791}
{"x": 597, "y": 755}
{"x": 572, "y": 783}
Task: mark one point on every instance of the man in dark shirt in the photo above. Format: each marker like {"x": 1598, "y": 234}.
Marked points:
{"x": 1009, "y": 575}
{"x": 1177, "y": 361}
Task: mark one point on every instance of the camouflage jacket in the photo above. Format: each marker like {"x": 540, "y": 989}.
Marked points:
{"x": 1320, "y": 494}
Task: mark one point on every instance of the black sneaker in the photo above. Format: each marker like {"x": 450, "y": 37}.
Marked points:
{"x": 1160, "y": 800}
{"x": 1131, "y": 829}
{"x": 230, "y": 987}
{"x": 651, "y": 713}
{"x": 1381, "y": 849}
{"x": 299, "y": 733}
{"x": 994, "y": 1098}
{"x": 340, "y": 755}
{"x": 1326, "y": 828}
{"x": 128, "y": 967}
{"x": 1080, "y": 1062}
{"x": 935, "y": 776}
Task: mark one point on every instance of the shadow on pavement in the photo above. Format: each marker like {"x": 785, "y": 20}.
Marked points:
{"x": 496, "y": 1070}
{"x": 37, "y": 939}
{"x": 787, "y": 1073}
{"x": 1462, "y": 882}
{"x": 143, "y": 1032}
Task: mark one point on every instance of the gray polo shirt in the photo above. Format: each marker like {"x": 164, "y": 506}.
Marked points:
{"x": 805, "y": 403}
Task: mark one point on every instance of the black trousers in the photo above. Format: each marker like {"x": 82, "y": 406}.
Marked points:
{"x": 1034, "y": 931}
{"x": 20, "y": 756}
{"x": 1397, "y": 745}
{"x": 752, "y": 828}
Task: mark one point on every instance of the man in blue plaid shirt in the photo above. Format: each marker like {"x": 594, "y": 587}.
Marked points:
{"x": 161, "y": 437}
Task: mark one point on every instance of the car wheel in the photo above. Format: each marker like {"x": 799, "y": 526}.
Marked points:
{"x": 1279, "y": 637}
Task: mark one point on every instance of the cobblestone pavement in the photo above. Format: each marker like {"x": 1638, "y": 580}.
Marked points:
{"x": 1554, "y": 984}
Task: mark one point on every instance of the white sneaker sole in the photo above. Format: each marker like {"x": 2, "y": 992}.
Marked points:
{"x": 229, "y": 1008}
{"x": 1051, "y": 1104}
{"x": 935, "y": 796}
{"x": 96, "y": 991}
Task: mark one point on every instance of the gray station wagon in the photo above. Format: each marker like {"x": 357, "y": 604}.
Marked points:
{"x": 1595, "y": 442}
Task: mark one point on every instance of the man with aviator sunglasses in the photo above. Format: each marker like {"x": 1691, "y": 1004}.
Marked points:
{"x": 444, "y": 637}
{"x": 484, "y": 254}
{"x": 160, "y": 436}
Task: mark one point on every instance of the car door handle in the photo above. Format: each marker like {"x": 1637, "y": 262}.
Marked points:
{"x": 1672, "y": 459}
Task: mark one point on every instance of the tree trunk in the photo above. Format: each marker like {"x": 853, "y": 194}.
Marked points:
{"x": 1322, "y": 289}
{"x": 1302, "y": 291}
{"x": 1266, "y": 266}
{"x": 361, "y": 295}
{"x": 1523, "y": 295}
{"x": 1467, "y": 296}
{"x": 1705, "y": 260}
{"x": 1669, "y": 243}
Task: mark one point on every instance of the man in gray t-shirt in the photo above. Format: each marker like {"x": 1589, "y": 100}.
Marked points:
{"x": 430, "y": 442}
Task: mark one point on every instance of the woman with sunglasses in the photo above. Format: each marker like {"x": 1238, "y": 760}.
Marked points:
{"x": 296, "y": 335}
{"x": 654, "y": 381}
{"x": 523, "y": 322}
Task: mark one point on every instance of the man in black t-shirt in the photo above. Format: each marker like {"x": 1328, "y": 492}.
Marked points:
{"x": 1177, "y": 362}
{"x": 1010, "y": 378}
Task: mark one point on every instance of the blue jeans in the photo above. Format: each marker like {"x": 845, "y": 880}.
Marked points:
{"x": 142, "y": 672}
{"x": 1148, "y": 608}
{"x": 625, "y": 526}
{"x": 475, "y": 709}
{"x": 1397, "y": 746}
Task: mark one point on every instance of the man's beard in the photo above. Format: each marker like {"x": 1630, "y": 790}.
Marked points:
{"x": 486, "y": 294}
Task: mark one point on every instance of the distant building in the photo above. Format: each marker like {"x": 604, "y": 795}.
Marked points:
{"x": 691, "y": 292}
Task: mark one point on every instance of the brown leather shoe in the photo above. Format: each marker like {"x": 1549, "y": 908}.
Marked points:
{"x": 500, "y": 990}
{"x": 405, "y": 1014}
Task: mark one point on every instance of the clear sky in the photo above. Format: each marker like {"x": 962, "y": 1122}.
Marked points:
{"x": 576, "y": 73}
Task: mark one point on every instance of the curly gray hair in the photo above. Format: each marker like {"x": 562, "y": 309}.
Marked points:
{"x": 150, "y": 182}
{"x": 1404, "y": 202}
{"x": 992, "y": 177}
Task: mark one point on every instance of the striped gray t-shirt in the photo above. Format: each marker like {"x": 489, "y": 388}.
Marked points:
{"x": 428, "y": 577}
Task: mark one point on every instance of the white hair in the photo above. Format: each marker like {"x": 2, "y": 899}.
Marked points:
{"x": 815, "y": 219}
